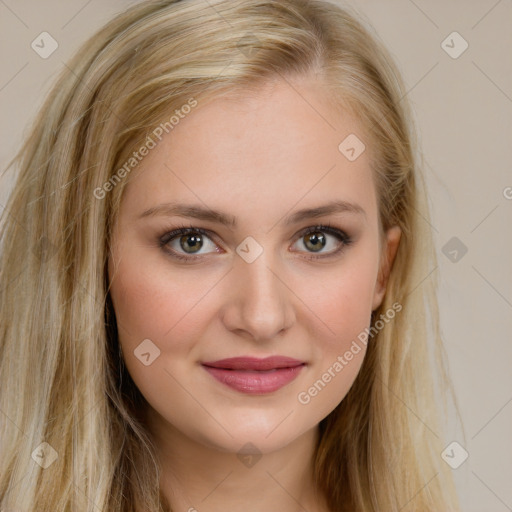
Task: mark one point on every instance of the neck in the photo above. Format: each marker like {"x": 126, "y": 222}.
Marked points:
{"x": 197, "y": 477}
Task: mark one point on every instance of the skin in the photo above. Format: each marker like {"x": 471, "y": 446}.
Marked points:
{"x": 260, "y": 157}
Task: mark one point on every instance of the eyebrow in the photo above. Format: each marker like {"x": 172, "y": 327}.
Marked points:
{"x": 206, "y": 214}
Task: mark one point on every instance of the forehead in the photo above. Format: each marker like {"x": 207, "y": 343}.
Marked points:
{"x": 257, "y": 151}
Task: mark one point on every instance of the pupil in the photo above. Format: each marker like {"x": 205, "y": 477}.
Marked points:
{"x": 317, "y": 240}
{"x": 191, "y": 241}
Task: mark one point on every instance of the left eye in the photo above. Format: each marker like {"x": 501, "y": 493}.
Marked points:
{"x": 316, "y": 239}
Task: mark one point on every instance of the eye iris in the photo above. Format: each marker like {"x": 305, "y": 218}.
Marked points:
{"x": 317, "y": 241}
{"x": 192, "y": 241}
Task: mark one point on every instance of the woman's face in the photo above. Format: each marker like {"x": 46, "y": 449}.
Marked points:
{"x": 255, "y": 175}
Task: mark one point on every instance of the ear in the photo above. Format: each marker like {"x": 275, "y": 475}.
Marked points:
{"x": 389, "y": 250}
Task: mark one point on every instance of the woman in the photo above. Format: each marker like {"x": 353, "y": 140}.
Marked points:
{"x": 213, "y": 261}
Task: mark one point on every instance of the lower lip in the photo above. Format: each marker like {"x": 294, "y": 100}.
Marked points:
{"x": 255, "y": 382}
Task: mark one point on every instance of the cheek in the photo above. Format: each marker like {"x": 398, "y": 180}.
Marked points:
{"x": 342, "y": 305}
{"x": 164, "y": 308}
{"x": 151, "y": 303}
{"x": 343, "y": 299}
{"x": 345, "y": 302}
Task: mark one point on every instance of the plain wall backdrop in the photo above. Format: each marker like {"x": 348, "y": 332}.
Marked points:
{"x": 460, "y": 88}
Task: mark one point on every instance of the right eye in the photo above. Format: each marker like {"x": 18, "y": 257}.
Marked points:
{"x": 184, "y": 241}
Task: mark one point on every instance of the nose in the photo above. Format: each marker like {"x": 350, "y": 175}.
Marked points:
{"x": 260, "y": 304}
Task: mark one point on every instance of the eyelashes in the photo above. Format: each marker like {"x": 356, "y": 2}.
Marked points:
{"x": 191, "y": 237}
{"x": 185, "y": 233}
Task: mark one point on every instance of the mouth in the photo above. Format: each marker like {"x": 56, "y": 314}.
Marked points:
{"x": 255, "y": 376}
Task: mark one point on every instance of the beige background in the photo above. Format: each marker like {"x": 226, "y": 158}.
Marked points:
{"x": 463, "y": 110}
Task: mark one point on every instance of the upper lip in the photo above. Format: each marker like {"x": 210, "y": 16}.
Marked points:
{"x": 252, "y": 363}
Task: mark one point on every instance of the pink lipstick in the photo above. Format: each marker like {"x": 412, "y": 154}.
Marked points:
{"x": 255, "y": 376}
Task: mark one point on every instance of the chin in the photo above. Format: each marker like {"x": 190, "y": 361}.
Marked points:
{"x": 247, "y": 437}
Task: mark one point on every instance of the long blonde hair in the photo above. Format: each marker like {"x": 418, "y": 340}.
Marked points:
{"x": 62, "y": 378}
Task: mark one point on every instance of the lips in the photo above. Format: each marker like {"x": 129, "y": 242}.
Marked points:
{"x": 253, "y": 364}
{"x": 255, "y": 376}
